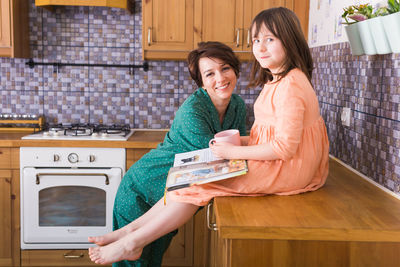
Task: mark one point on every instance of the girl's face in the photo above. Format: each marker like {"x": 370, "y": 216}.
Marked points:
{"x": 268, "y": 50}
{"x": 219, "y": 78}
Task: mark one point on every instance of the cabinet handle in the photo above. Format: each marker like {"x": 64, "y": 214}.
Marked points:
{"x": 248, "y": 37}
{"x": 73, "y": 256}
{"x": 149, "y": 36}
{"x": 237, "y": 37}
{"x": 210, "y": 225}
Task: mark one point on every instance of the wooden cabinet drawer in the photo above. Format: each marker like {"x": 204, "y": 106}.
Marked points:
{"x": 9, "y": 158}
{"x": 5, "y": 162}
{"x": 56, "y": 258}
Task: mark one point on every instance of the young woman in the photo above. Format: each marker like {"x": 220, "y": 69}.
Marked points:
{"x": 287, "y": 150}
{"x": 210, "y": 109}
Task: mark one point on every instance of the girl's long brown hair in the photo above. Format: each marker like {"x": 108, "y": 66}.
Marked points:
{"x": 283, "y": 24}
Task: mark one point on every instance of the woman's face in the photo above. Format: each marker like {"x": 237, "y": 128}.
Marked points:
{"x": 268, "y": 50}
{"x": 219, "y": 78}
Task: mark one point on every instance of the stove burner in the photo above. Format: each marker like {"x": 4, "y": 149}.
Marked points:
{"x": 113, "y": 129}
{"x": 79, "y": 130}
{"x": 87, "y": 129}
{"x": 54, "y": 127}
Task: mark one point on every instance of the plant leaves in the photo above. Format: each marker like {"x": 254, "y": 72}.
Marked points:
{"x": 358, "y": 17}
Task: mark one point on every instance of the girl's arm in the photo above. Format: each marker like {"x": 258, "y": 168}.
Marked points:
{"x": 255, "y": 152}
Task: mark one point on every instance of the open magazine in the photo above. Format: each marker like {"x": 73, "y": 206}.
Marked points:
{"x": 200, "y": 167}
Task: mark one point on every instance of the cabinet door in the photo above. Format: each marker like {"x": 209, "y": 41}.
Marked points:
{"x": 14, "y": 28}
{"x": 56, "y": 257}
{"x": 6, "y": 241}
{"x": 222, "y": 21}
{"x": 251, "y": 9}
{"x": 301, "y": 8}
{"x": 133, "y": 155}
{"x": 167, "y": 26}
{"x": 180, "y": 251}
{"x": 5, "y": 29}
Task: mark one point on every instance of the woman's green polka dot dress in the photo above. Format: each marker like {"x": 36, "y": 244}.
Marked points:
{"x": 143, "y": 185}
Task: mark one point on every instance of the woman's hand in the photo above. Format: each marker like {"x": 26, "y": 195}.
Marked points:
{"x": 223, "y": 150}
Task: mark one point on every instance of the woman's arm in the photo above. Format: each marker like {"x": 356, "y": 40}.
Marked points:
{"x": 255, "y": 152}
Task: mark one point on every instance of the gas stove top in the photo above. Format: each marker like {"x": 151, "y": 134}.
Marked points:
{"x": 83, "y": 132}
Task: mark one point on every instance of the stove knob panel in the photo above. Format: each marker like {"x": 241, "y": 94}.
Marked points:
{"x": 73, "y": 158}
{"x": 92, "y": 158}
{"x": 56, "y": 157}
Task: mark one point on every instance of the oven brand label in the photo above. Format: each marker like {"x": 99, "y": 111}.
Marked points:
{"x": 72, "y": 231}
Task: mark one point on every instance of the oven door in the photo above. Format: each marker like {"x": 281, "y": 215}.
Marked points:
{"x": 61, "y": 206}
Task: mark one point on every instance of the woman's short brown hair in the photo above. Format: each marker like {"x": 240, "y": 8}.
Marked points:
{"x": 211, "y": 50}
{"x": 283, "y": 24}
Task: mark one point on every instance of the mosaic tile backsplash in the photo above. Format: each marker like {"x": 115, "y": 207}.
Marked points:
{"x": 74, "y": 94}
{"x": 369, "y": 85}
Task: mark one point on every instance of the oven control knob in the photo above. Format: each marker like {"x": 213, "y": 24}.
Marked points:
{"x": 56, "y": 157}
{"x": 92, "y": 158}
{"x": 73, "y": 158}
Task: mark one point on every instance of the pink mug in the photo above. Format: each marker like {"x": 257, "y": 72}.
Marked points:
{"x": 229, "y": 136}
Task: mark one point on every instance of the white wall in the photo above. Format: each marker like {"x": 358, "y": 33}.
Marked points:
{"x": 325, "y": 18}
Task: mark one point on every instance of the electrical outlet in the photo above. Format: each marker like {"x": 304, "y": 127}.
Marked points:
{"x": 345, "y": 117}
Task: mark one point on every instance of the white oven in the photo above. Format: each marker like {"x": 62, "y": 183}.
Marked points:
{"x": 67, "y": 194}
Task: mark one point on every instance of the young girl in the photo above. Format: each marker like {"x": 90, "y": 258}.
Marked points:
{"x": 287, "y": 150}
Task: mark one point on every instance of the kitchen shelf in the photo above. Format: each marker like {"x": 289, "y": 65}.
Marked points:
{"x": 22, "y": 125}
{"x": 57, "y": 65}
{"x": 49, "y": 4}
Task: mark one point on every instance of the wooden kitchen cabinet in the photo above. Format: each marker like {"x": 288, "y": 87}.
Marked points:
{"x": 226, "y": 21}
{"x": 126, "y": 4}
{"x": 167, "y": 26}
{"x": 56, "y": 258}
{"x": 9, "y": 207}
{"x": 348, "y": 222}
{"x": 14, "y": 28}
{"x": 220, "y": 21}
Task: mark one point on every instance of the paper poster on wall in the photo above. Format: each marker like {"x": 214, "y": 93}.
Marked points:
{"x": 325, "y": 18}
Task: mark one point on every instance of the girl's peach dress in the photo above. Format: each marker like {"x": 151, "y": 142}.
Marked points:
{"x": 286, "y": 116}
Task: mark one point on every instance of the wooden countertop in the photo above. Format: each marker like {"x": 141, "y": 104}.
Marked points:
{"x": 139, "y": 139}
{"x": 347, "y": 208}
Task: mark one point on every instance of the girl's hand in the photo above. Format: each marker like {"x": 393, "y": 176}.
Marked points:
{"x": 223, "y": 150}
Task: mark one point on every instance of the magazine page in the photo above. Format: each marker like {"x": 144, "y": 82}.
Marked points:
{"x": 193, "y": 157}
{"x": 187, "y": 175}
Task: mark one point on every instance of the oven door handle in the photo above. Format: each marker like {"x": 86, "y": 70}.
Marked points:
{"x": 107, "y": 182}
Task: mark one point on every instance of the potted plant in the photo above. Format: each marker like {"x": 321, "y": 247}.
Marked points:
{"x": 359, "y": 37}
{"x": 391, "y": 24}
{"x": 369, "y": 24}
{"x": 378, "y": 33}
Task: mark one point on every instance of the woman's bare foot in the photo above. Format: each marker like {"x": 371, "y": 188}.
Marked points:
{"x": 122, "y": 249}
{"x": 109, "y": 237}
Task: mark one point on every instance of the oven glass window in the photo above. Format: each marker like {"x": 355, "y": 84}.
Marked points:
{"x": 72, "y": 206}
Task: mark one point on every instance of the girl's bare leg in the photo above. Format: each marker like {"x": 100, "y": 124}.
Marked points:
{"x": 130, "y": 247}
{"x": 119, "y": 233}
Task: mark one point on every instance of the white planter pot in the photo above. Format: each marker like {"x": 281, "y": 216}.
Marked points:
{"x": 366, "y": 38}
{"x": 379, "y": 36}
{"x": 391, "y": 24}
{"x": 353, "y": 36}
